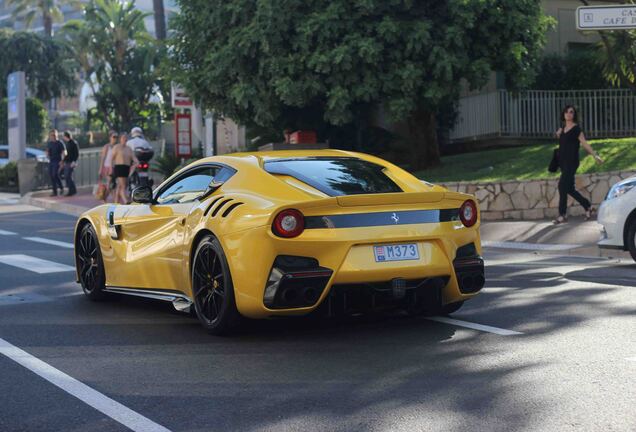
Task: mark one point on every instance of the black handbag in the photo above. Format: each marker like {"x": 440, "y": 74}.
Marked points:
{"x": 554, "y": 163}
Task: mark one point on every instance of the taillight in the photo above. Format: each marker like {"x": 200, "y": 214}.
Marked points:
{"x": 468, "y": 213}
{"x": 288, "y": 223}
{"x": 143, "y": 165}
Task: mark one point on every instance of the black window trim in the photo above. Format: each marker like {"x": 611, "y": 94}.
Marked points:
{"x": 322, "y": 188}
{"x": 163, "y": 188}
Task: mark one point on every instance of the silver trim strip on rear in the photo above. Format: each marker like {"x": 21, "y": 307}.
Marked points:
{"x": 180, "y": 302}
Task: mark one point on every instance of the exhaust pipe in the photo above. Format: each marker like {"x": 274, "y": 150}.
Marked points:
{"x": 479, "y": 281}
{"x": 468, "y": 282}
{"x": 309, "y": 294}
{"x": 289, "y": 295}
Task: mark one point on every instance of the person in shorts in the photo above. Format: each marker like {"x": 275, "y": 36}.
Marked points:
{"x": 123, "y": 166}
{"x": 106, "y": 163}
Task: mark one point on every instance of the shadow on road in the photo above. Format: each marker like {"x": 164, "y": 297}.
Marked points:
{"x": 308, "y": 374}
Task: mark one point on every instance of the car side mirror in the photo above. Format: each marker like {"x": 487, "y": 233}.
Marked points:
{"x": 142, "y": 195}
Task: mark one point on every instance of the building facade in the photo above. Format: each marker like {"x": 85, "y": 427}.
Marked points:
{"x": 492, "y": 112}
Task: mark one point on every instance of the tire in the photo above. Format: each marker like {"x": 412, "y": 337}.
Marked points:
{"x": 89, "y": 264}
{"x": 212, "y": 288}
{"x": 631, "y": 238}
{"x": 451, "y": 308}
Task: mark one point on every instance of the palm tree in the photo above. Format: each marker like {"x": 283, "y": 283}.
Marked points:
{"x": 117, "y": 55}
{"x": 49, "y": 10}
{"x": 160, "y": 19}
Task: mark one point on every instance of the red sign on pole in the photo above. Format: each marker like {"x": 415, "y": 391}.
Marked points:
{"x": 183, "y": 130}
{"x": 180, "y": 98}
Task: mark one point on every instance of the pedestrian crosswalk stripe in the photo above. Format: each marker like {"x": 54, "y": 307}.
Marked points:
{"x": 3, "y": 232}
{"x": 36, "y": 265}
{"x": 50, "y": 242}
{"x": 113, "y": 409}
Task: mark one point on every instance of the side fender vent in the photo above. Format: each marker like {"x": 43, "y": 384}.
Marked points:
{"x": 230, "y": 208}
{"x": 218, "y": 207}
{"x": 207, "y": 210}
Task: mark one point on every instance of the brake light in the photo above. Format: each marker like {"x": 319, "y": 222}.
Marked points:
{"x": 288, "y": 223}
{"x": 143, "y": 165}
{"x": 468, "y": 213}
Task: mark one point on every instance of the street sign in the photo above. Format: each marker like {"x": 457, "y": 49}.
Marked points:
{"x": 183, "y": 130}
{"x": 606, "y": 17}
{"x": 16, "y": 116}
{"x": 180, "y": 98}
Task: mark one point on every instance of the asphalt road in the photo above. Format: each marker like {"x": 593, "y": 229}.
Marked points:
{"x": 572, "y": 367}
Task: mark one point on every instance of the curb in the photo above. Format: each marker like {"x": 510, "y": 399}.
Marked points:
{"x": 37, "y": 199}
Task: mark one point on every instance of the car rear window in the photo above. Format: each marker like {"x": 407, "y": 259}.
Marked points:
{"x": 336, "y": 176}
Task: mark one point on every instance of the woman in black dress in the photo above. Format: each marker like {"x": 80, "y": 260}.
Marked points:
{"x": 570, "y": 139}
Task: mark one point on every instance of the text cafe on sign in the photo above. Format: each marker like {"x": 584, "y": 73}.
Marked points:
{"x": 606, "y": 17}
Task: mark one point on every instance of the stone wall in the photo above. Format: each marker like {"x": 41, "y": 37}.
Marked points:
{"x": 536, "y": 199}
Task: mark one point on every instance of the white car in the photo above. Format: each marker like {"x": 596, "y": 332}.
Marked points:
{"x": 617, "y": 214}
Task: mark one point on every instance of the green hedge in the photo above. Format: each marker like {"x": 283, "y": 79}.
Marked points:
{"x": 9, "y": 177}
{"x": 37, "y": 122}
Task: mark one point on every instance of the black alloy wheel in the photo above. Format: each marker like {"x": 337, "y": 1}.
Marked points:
{"x": 631, "y": 238}
{"x": 89, "y": 263}
{"x": 212, "y": 288}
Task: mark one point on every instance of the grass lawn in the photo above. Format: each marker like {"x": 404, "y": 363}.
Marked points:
{"x": 528, "y": 162}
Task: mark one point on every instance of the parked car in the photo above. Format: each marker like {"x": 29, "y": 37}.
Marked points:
{"x": 617, "y": 214}
{"x": 31, "y": 153}
{"x": 281, "y": 233}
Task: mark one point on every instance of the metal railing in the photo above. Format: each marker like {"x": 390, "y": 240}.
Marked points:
{"x": 536, "y": 113}
{"x": 87, "y": 169}
{"x": 85, "y": 174}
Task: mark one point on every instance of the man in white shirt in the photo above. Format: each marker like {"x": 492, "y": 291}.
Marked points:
{"x": 137, "y": 139}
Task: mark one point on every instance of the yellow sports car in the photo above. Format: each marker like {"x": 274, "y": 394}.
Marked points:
{"x": 283, "y": 233}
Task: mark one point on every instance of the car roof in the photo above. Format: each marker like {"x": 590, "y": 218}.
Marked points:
{"x": 259, "y": 158}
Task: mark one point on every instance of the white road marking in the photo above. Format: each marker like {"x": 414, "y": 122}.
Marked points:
{"x": 34, "y": 264}
{"x": 19, "y": 208}
{"x": 72, "y": 294}
{"x": 3, "y": 232}
{"x": 113, "y": 409}
{"x": 529, "y": 246}
{"x": 50, "y": 242}
{"x": 474, "y": 326}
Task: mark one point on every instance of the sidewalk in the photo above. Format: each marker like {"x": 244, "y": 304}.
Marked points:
{"x": 576, "y": 237}
{"x": 74, "y": 205}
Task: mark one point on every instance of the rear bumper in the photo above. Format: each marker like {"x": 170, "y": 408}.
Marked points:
{"x": 348, "y": 255}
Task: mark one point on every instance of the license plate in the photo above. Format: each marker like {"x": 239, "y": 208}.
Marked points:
{"x": 397, "y": 252}
{"x": 143, "y": 174}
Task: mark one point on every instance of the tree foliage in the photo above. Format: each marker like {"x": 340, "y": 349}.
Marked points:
{"x": 564, "y": 72}
{"x": 37, "y": 121}
{"x": 119, "y": 59}
{"x": 48, "y": 10}
{"x": 48, "y": 64}
{"x": 274, "y": 61}
{"x": 618, "y": 57}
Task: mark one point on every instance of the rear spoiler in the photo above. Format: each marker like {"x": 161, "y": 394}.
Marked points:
{"x": 389, "y": 198}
